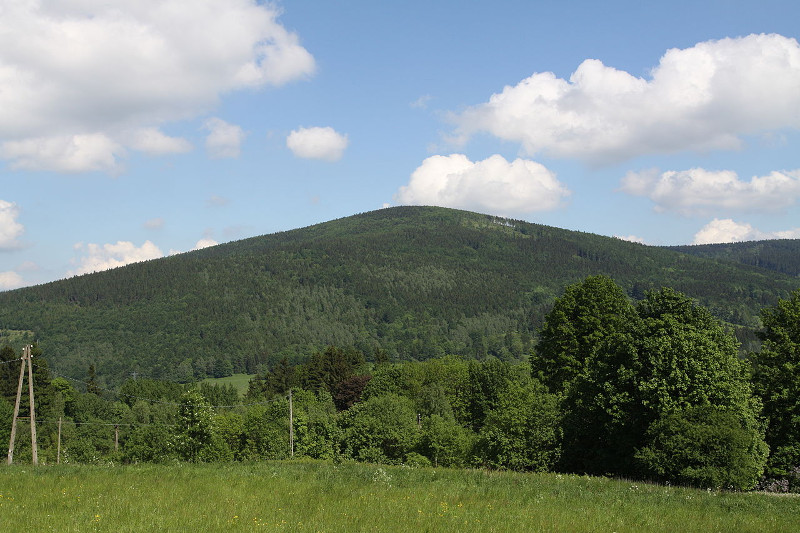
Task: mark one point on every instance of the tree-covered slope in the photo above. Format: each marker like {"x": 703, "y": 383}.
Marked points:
{"x": 780, "y": 255}
{"x": 413, "y": 281}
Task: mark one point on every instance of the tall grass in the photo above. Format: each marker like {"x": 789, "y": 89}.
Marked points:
{"x": 323, "y": 497}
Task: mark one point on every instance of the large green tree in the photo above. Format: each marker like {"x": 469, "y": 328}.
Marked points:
{"x": 776, "y": 375}
{"x": 671, "y": 355}
{"x": 581, "y": 319}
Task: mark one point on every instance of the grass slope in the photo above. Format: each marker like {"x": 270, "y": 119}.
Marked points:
{"x": 322, "y": 497}
{"x": 239, "y": 381}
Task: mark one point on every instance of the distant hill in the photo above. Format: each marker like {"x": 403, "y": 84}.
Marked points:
{"x": 414, "y": 282}
{"x": 782, "y": 255}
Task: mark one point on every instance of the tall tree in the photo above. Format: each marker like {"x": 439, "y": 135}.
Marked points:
{"x": 671, "y": 356}
{"x": 576, "y": 327}
{"x": 776, "y": 375}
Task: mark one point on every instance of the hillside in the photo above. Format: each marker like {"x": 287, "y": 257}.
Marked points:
{"x": 415, "y": 282}
{"x": 780, "y": 255}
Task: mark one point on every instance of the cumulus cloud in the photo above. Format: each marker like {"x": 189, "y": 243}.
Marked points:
{"x": 700, "y": 191}
{"x": 493, "y": 185}
{"x": 704, "y": 97}
{"x": 205, "y": 242}
{"x": 317, "y": 143}
{"x": 10, "y": 229}
{"x": 10, "y": 280}
{"x": 82, "y": 79}
{"x": 108, "y": 256}
{"x": 224, "y": 139}
{"x": 630, "y": 238}
{"x": 67, "y": 153}
{"x": 727, "y": 230}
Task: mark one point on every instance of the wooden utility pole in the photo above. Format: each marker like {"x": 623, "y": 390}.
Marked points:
{"x": 291, "y": 426}
{"x": 58, "y": 457}
{"x": 26, "y": 358}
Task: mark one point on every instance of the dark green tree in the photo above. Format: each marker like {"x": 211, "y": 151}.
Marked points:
{"x": 776, "y": 377}
{"x": 523, "y": 431}
{"x": 581, "y": 319}
{"x": 703, "y": 446}
{"x": 382, "y": 429}
{"x": 671, "y": 356}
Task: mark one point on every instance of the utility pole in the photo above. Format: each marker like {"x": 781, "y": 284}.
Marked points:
{"x": 26, "y": 358}
{"x": 291, "y": 426}
{"x": 58, "y": 457}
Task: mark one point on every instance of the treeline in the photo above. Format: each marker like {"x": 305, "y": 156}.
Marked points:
{"x": 415, "y": 282}
{"x": 780, "y": 255}
{"x": 651, "y": 389}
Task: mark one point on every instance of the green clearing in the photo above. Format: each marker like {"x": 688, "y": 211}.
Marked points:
{"x": 239, "y": 381}
{"x": 323, "y": 497}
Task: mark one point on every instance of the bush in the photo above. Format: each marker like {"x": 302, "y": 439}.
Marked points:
{"x": 704, "y": 447}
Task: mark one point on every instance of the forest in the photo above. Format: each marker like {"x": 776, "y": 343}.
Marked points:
{"x": 653, "y": 388}
{"x": 413, "y": 283}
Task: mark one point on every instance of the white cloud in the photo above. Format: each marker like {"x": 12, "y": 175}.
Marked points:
{"x": 317, "y": 143}
{"x": 700, "y": 191}
{"x": 108, "y": 256}
{"x": 224, "y": 139}
{"x": 630, "y": 238}
{"x": 10, "y": 229}
{"x": 701, "y": 98}
{"x": 205, "y": 242}
{"x": 727, "y": 230}
{"x": 493, "y": 185}
{"x": 68, "y": 153}
{"x": 72, "y": 70}
{"x": 154, "y": 141}
{"x": 421, "y": 102}
{"x": 10, "y": 280}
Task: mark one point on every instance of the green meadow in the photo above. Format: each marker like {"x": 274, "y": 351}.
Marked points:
{"x": 239, "y": 381}
{"x": 350, "y": 497}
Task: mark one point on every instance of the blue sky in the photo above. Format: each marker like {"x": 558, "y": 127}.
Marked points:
{"x": 131, "y": 130}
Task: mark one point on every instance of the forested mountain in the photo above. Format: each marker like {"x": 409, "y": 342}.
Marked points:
{"x": 781, "y": 255}
{"x": 405, "y": 282}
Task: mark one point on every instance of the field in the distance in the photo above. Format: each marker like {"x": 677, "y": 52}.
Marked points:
{"x": 323, "y": 497}
{"x": 239, "y": 381}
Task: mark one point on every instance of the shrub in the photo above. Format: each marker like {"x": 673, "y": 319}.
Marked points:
{"x": 705, "y": 447}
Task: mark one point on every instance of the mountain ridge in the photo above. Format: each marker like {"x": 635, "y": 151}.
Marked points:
{"x": 415, "y": 282}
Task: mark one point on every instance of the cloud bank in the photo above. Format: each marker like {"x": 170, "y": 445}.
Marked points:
{"x": 317, "y": 143}
{"x": 727, "y": 230}
{"x": 113, "y": 255}
{"x": 10, "y": 280}
{"x": 701, "y": 98}
{"x": 698, "y": 191}
{"x": 493, "y": 185}
{"x": 82, "y": 81}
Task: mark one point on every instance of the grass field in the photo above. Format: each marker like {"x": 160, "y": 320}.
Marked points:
{"x": 239, "y": 381}
{"x": 323, "y": 497}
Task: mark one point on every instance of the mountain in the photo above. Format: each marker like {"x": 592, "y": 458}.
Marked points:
{"x": 780, "y": 255}
{"x": 413, "y": 282}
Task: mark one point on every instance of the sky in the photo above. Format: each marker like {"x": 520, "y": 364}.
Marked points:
{"x": 136, "y": 129}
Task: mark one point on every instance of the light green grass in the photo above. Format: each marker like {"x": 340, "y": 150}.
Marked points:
{"x": 239, "y": 381}
{"x": 322, "y": 497}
